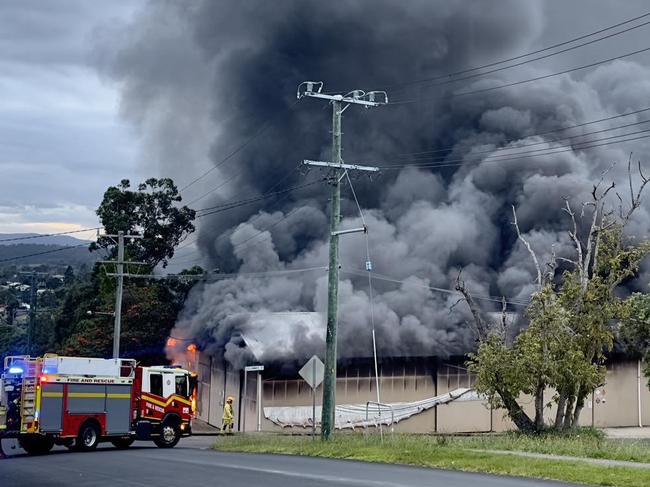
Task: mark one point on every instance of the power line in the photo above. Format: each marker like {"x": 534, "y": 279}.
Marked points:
{"x": 571, "y": 147}
{"x": 537, "y": 134}
{"x": 261, "y": 128}
{"x": 218, "y": 186}
{"x": 244, "y": 202}
{"x": 222, "y": 276}
{"x": 529, "y": 80}
{"x": 239, "y": 172}
{"x": 498, "y": 152}
{"x": 254, "y": 196}
{"x": 515, "y": 58}
{"x": 43, "y": 253}
{"x": 485, "y": 161}
{"x": 383, "y": 277}
{"x": 264, "y": 230}
{"x": 237, "y": 203}
{"x": 29, "y": 237}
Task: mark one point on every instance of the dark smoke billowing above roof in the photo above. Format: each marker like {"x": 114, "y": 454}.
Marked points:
{"x": 200, "y": 78}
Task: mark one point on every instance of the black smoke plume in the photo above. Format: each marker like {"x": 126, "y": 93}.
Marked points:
{"x": 200, "y": 78}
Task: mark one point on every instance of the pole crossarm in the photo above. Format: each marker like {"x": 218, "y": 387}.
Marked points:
{"x": 341, "y": 165}
{"x": 356, "y": 97}
{"x": 363, "y": 229}
{"x": 125, "y": 236}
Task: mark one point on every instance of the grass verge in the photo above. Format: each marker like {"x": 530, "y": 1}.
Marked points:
{"x": 451, "y": 453}
{"x": 586, "y": 442}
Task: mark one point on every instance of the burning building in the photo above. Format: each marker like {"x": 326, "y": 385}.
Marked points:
{"x": 211, "y": 87}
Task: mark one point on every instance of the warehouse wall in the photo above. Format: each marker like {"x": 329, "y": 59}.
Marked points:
{"x": 613, "y": 405}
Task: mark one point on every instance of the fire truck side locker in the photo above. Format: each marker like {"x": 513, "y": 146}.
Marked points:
{"x": 51, "y": 408}
{"x": 118, "y": 409}
{"x": 65, "y": 405}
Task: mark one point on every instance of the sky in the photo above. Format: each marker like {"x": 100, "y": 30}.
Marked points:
{"x": 64, "y": 137}
{"x": 62, "y": 140}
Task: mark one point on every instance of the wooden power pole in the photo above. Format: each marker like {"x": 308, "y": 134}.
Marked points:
{"x": 338, "y": 169}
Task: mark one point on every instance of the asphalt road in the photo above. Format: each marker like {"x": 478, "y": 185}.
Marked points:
{"x": 192, "y": 464}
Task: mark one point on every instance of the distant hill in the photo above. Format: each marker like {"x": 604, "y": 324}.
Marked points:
{"x": 60, "y": 240}
{"x": 53, "y": 250}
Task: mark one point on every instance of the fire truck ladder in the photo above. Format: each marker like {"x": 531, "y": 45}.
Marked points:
{"x": 28, "y": 394}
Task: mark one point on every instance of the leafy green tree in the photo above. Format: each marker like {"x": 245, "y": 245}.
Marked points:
{"x": 570, "y": 320}
{"x": 152, "y": 210}
{"x": 149, "y": 306}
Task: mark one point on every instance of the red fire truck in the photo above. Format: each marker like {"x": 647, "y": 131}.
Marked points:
{"x": 78, "y": 402}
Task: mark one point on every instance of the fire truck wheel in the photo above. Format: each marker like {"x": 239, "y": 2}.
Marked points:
{"x": 88, "y": 437}
{"x": 170, "y": 435}
{"x": 122, "y": 443}
{"x": 36, "y": 444}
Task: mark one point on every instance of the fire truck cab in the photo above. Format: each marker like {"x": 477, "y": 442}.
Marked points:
{"x": 78, "y": 402}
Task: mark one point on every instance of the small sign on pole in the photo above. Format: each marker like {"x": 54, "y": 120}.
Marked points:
{"x": 313, "y": 372}
{"x": 254, "y": 368}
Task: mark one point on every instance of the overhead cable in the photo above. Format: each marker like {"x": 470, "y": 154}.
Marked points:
{"x": 260, "y": 129}
{"x": 463, "y": 162}
{"x": 524, "y": 81}
{"x": 383, "y": 277}
{"x": 536, "y": 134}
{"x": 43, "y": 253}
{"x": 43, "y": 235}
{"x": 444, "y": 79}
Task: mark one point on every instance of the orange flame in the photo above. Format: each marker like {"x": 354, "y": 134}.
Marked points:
{"x": 191, "y": 348}
{"x": 171, "y": 342}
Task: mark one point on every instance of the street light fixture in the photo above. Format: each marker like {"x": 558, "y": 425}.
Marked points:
{"x": 91, "y": 313}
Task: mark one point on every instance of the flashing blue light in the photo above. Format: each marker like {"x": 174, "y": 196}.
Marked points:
{"x": 15, "y": 370}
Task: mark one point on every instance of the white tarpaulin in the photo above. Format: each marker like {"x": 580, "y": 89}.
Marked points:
{"x": 354, "y": 415}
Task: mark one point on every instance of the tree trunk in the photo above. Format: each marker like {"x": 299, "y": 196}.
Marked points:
{"x": 516, "y": 413}
{"x": 583, "y": 392}
{"x": 568, "y": 415}
{"x": 561, "y": 408}
{"x": 539, "y": 406}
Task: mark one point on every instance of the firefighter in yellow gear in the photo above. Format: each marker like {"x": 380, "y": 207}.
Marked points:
{"x": 228, "y": 416}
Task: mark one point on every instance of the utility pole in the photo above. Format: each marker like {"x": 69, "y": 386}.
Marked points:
{"x": 339, "y": 170}
{"x": 120, "y": 287}
{"x": 32, "y": 314}
{"x": 33, "y": 300}
{"x": 118, "y": 295}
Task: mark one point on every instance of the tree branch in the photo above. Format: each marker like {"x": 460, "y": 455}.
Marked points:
{"x": 574, "y": 236}
{"x": 530, "y": 249}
